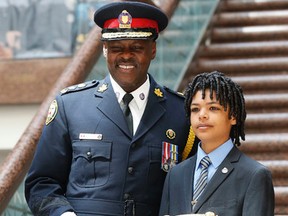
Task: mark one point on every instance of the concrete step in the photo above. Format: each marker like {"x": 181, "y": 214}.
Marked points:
{"x": 244, "y": 5}
{"x": 240, "y": 49}
{"x": 269, "y": 83}
{"x": 278, "y": 169}
{"x": 251, "y": 18}
{"x": 242, "y": 64}
{"x": 281, "y": 200}
{"x": 267, "y": 123}
{"x": 266, "y": 146}
{"x": 249, "y": 33}
{"x": 264, "y": 103}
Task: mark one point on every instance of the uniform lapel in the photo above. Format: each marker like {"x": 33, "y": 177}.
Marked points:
{"x": 222, "y": 173}
{"x": 109, "y": 105}
{"x": 153, "y": 111}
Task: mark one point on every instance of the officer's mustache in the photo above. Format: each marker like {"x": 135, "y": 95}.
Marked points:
{"x": 130, "y": 61}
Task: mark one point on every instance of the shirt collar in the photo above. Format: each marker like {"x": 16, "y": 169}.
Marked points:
{"x": 217, "y": 156}
{"x": 140, "y": 95}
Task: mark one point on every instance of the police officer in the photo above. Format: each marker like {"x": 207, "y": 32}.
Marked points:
{"x": 88, "y": 161}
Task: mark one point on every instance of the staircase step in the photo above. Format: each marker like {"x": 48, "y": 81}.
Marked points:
{"x": 242, "y": 5}
{"x": 270, "y": 146}
{"x": 243, "y": 64}
{"x": 249, "y": 18}
{"x": 264, "y": 83}
{"x": 278, "y": 169}
{"x": 267, "y": 123}
{"x": 262, "y": 48}
{"x": 281, "y": 200}
{"x": 266, "y": 102}
{"x": 281, "y": 194}
{"x": 249, "y": 33}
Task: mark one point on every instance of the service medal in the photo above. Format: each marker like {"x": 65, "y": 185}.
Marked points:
{"x": 169, "y": 156}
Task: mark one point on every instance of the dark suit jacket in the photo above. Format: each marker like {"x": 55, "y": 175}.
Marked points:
{"x": 111, "y": 175}
{"x": 240, "y": 186}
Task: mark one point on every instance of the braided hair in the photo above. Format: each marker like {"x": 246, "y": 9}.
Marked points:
{"x": 228, "y": 93}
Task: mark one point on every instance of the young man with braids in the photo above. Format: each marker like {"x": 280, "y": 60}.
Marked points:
{"x": 233, "y": 184}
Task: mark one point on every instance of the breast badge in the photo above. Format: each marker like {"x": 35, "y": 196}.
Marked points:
{"x": 170, "y": 134}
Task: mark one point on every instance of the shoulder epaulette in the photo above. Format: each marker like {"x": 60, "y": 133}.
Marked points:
{"x": 180, "y": 94}
{"x": 79, "y": 87}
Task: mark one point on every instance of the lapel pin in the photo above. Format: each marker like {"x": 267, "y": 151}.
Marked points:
{"x": 142, "y": 96}
{"x": 224, "y": 170}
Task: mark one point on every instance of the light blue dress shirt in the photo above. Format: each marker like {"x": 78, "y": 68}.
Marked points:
{"x": 217, "y": 156}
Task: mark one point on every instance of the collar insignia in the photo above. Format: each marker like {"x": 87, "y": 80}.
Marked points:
{"x": 158, "y": 92}
{"x": 103, "y": 87}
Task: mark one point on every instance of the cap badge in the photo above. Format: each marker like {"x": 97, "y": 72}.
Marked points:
{"x": 52, "y": 112}
{"x": 103, "y": 87}
{"x": 170, "y": 134}
{"x": 124, "y": 19}
{"x": 158, "y": 92}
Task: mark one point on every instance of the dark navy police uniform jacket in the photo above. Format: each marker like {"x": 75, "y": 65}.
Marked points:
{"x": 87, "y": 161}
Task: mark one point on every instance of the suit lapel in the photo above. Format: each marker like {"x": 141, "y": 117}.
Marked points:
{"x": 109, "y": 105}
{"x": 222, "y": 173}
{"x": 188, "y": 184}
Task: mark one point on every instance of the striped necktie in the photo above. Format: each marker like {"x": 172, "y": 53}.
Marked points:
{"x": 202, "y": 180}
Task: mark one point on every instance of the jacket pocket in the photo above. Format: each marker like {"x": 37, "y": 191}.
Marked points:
{"x": 91, "y": 163}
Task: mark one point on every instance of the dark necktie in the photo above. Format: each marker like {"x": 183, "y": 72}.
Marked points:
{"x": 126, "y": 111}
{"x": 202, "y": 181}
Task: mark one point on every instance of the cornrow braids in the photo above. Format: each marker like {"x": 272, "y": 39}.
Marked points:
{"x": 228, "y": 93}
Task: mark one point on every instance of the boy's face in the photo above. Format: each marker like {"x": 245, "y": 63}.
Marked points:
{"x": 209, "y": 121}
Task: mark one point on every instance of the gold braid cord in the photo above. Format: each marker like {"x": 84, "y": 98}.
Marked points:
{"x": 189, "y": 144}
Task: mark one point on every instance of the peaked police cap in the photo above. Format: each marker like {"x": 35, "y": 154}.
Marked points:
{"x": 130, "y": 20}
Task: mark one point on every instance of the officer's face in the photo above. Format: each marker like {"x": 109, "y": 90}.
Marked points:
{"x": 128, "y": 61}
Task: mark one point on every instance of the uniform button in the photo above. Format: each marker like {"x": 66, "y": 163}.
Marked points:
{"x": 88, "y": 154}
{"x": 130, "y": 170}
{"x": 126, "y": 196}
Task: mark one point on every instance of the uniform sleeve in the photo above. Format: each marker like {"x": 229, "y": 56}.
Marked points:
{"x": 259, "y": 198}
{"x": 45, "y": 184}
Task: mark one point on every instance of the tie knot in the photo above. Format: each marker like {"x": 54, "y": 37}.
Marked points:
{"x": 205, "y": 162}
{"x": 127, "y": 98}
